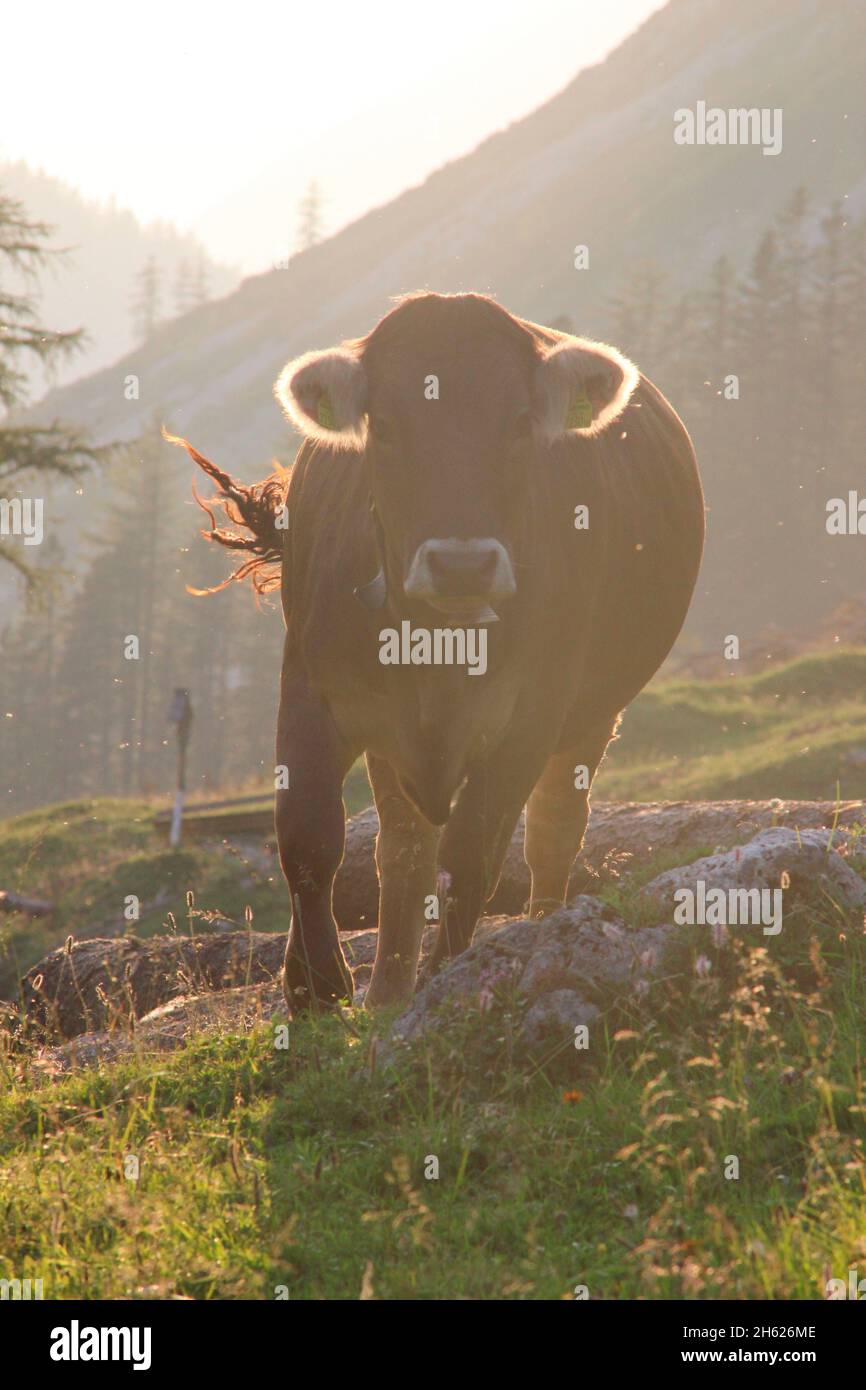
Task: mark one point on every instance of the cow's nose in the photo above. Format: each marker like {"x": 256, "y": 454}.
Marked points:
{"x": 452, "y": 569}
{"x": 462, "y": 572}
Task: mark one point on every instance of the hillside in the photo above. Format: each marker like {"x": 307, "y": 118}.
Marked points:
{"x": 92, "y": 286}
{"x": 788, "y": 733}
{"x": 597, "y": 165}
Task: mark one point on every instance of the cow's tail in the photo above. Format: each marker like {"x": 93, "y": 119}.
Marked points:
{"x": 259, "y": 509}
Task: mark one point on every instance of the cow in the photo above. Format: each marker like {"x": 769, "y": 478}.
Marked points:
{"x": 468, "y": 482}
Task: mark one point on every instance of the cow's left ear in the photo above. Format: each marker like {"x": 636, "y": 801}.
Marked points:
{"x": 582, "y": 386}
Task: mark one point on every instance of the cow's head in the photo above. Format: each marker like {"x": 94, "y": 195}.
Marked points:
{"x": 451, "y": 400}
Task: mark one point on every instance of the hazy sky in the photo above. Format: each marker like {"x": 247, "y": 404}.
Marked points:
{"x": 215, "y": 116}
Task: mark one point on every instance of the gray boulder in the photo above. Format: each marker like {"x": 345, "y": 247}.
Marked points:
{"x": 554, "y": 1017}
{"x": 621, "y": 836}
{"x": 561, "y": 970}
{"x": 803, "y": 864}
{"x": 168, "y": 1027}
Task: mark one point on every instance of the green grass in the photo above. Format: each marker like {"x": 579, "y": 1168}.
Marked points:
{"x": 88, "y": 856}
{"x": 785, "y": 733}
{"x": 305, "y": 1167}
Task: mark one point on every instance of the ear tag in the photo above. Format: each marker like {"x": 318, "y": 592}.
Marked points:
{"x": 325, "y": 412}
{"x": 579, "y": 416}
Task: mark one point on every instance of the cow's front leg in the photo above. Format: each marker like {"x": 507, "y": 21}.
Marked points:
{"x": 406, "y": 861}
{"x": 474, "y": 845}
{"x": 311, "y": 831}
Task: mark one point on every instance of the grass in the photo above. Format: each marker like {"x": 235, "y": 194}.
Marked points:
{"x": 89, "y": 856}
{"x": 785, "y": 733}
{"x": 304, "y": 1169}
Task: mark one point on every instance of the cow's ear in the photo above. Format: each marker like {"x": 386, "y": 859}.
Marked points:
{"x": 324, "y": 395}
{"x": 582, "y": 386}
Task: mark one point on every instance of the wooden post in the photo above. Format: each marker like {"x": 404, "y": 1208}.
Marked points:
{"x": 180, "y": 714}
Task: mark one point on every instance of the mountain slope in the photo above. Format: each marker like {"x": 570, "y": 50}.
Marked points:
{"x": 597, "y": 165}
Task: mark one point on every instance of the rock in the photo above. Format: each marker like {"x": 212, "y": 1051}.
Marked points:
{"x": 584, "y": 950}
{"x": 810, "y": 859}
{"x": 95, "y": 983}
{"x": 621, "y": 836}
{"x": 562, "y": 967}
{"x": 554, "y": 1017}
{"x": 169, "y": 1027}
{"x": 98, "y": 983}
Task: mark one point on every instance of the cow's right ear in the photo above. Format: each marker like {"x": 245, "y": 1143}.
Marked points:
{"x": 582, "y": 386}
{"x": 324, "y": 395}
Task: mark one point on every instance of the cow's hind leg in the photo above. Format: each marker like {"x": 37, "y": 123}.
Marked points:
{"x": 311, "y": 829}
{"x": 556, "y": 817}
{"x": 406, "y": 849}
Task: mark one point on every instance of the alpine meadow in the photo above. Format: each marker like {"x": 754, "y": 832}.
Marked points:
{"x": 433, "y": 672}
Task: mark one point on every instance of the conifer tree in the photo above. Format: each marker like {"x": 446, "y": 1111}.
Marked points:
{"x": 147, "y": 299}
{"x": 29, "y": 454}
{"x": 310, "y": 220}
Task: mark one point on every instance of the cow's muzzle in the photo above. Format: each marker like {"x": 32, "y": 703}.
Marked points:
{"x": 456, "y": 576}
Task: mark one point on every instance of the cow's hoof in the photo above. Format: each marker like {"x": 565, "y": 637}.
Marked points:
{"x": 307, "y": 984}
{"x": 395, "y": 996}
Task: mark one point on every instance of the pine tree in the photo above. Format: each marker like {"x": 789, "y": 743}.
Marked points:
{"x": 147, "y": 299}
{"x": 201, "y": 282}
{"x": 637, "y": 313}
{"x": 25, "y": 450}
{"x": 822, "y": 384}
{"x": 310, "y": 217}
{"x": 183, "y": 287}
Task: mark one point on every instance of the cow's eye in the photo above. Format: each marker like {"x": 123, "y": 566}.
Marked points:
{"x": 383, "y": 428}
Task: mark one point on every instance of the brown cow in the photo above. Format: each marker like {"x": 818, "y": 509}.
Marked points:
{"x": 494, "y": 534}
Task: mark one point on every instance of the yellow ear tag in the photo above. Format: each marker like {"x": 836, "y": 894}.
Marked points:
{"x": 579, "y": 415}
{"x": 325, "y": 412}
